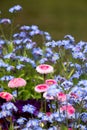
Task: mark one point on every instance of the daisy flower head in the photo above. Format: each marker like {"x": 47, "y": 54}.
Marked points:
{"x": 61, "y": 96}
{"x": 69, "y": 109}
{"x": 7, "y": 96}
{"x": 70, "y": 128}
{"x": 16, "y": 83}
{"x": 50, "y": 82}
{"x": 41, "y": 88}
{"x": 44, "y": 69}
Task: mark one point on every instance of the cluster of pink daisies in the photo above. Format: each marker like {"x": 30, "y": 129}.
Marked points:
{"x": 14, "y": 83}
{"x": 41, "y": 88}
{"x": 44, "y": 88}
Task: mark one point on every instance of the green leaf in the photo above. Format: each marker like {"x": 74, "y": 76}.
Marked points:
{"x": 10, "y": 47}
{"x": 72, "y": 71}
{"x": 24, "y": 94}
{"x": 63, "y": 127}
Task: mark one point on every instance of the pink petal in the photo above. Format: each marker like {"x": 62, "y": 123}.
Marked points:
{"x": 16, "y": 82}
{"x": 44, "y": 69}
{"x": 41, "y": 88}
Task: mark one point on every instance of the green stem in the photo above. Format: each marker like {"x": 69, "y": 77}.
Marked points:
{"x": 17, "y": 91}
{"x": 41, "y": 102}
{"x": 3, "y": 33}
{"x": 44, "y": 77}
{"x": 12, "y": 24}
{"x": 72, "y": 71}
{"x": 11, "y": 125}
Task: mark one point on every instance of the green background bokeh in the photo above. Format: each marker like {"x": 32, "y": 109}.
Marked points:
{"x": 58, "y": 17}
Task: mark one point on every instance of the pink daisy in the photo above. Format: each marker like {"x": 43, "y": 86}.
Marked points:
{"x": 61, "y": 96}
{"x": 41, "y": 88}
{"x": 16, "y": 83}
{"x": 46, "y": 96}
{"x": 68, "y": 108}
{"x": 44, "y": 69}
{"x": 70, "y": 128}
{"x": 7, "y": 96}
{"x": 50, "y": 82}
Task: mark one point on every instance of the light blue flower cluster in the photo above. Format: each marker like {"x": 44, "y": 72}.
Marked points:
{"x": 20, "y": 53}
{"x": 28, "y": 108}
{"x": 7, "y": 110}
{"x": 9, "y": 107}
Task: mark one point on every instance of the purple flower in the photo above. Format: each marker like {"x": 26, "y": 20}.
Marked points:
{"x": 9, "y": 68}
{"x": 21, "y": 120}
{"x": 34, "y": 27}
{"x": 52, "y": 44}
{"x": 34, "y": 32}
{"x": 37, "y": 52}
{"x": 9, "y": 55}
{"x": 82, "y": 83}
{"x": 84, "y": 117}
{"x": 40, "y": 115}
{"x": 81, "y": 127}
{"x": 47, "y": 36}
{"x": 77, "y": 66}
{"x": 67, "y": 85}
{"x": 53, "y": 128}
{"x": 29, "y": 45}
{"x": 32, "y": 123}
{"x": 3, "y": 64}
{"x": 67, "y": 44}
{"x": 2, "y": 42}
{"x": 60, "y": 79}
{"x": 20, "y": 103}
{"x": 49, "y": 52}
{"x": 43, "y": 60}
{"x": 78, "y": 55}
{"x": 85, "y": 49}
{"x": 15, "y": 8}
{"x": 75, "y": 75}
{"x": 25, "y": 28}
{"x": 22, "y": 34}
{"x": 28, "y": 41}
{"x": 6, "y": 78}
{"x": 72, "y": 40}
{"x": 16, "y": 35}
{"x": 52, "y": 90}
{"x": 29, "y": 108}
{"x": 55, "y": 57}
{"x": 17, "y": 41}
{"x": 20, "y": 66}
{"x": 25, "y": 129}
{"x": 5, "y": 113}
{"x": 57, "y": 116}
{"x": 37, "y": 128}
{"x": 9, "y": 106}
{"x": 79, "y": 91}
{"x": 5, "y": 21}
{"x": 59, "y": 43}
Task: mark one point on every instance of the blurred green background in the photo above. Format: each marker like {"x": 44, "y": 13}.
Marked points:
{"x": 58, "y": 17}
